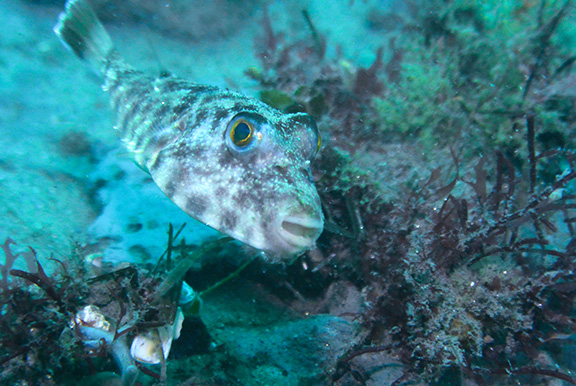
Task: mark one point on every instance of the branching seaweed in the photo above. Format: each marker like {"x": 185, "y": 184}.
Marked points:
{"x": 466, "y": 270}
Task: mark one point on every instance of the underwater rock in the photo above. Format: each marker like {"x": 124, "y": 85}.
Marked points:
{"x": 300, "y": 350}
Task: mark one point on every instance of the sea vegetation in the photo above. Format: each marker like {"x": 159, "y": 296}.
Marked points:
{"x": 448, "y": 181}
{"x": 80, "y": 323}
{"x": 448, "y": 184}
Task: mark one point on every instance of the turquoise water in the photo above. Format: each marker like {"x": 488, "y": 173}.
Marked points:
{"x": 446, "y": 176}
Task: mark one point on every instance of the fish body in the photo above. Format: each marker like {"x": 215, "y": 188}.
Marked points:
{"x": 226, "y": 159}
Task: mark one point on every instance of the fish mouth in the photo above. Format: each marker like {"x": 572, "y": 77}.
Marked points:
{"x": 300, "y": 232}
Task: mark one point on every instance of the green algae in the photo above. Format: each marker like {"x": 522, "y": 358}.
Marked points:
{"x": 475, "y": 71}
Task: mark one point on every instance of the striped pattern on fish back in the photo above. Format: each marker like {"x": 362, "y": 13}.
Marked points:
{"x": 151, "y": 112}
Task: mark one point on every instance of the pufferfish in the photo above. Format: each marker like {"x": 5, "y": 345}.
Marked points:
{"x": 227, "y": 160}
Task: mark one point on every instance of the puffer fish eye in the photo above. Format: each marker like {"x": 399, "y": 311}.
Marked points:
{"x": 241, "y": 133}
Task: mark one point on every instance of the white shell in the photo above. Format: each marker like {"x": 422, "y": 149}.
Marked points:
{"x": 90, "y": 316}
{"x": 145, "y": 347}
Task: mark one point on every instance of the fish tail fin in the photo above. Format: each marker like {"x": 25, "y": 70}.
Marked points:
{"x": 79, "y": 29}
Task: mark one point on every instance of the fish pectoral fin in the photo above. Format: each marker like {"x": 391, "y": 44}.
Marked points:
{"x": 182, "y": 123}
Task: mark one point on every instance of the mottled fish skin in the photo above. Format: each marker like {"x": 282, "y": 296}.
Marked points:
{"x": 262, "y": 195}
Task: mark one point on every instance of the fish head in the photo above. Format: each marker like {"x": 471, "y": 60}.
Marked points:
{"x": 247, "y": 174}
